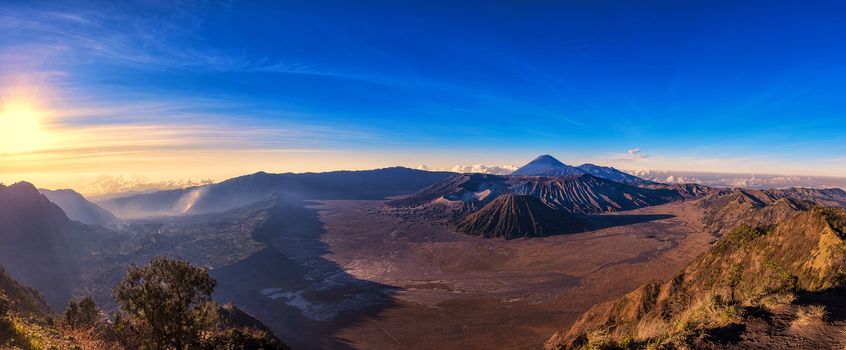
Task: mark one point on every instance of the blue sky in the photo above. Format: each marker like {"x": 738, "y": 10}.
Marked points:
{"x": 319, "y": 85}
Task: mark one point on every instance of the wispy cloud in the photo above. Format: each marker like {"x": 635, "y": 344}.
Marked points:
{"x": 631, "y": 156}
{"x": 78, "y": 36}
{"x": 162, "y": 127}
{"x": 636, "y": 153}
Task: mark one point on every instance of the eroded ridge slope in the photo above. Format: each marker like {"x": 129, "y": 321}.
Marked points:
{"x": 740, "y": 294}
{"x": 514, "y": 216}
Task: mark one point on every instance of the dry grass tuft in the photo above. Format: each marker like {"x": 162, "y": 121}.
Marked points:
{"x": 777, "y": 300}
{"x": 810, "y": 314}
{"x": 597, "y": 340}
{"x": 651, "y": 329}
{"x": 707, "y": 312}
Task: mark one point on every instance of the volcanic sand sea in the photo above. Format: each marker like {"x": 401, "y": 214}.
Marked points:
{"x": 457, "y": 291}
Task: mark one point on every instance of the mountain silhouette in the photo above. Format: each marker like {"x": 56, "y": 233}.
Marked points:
{"x": 39, "y": 245}
{"x": 248, "y": 189}
{"x": 78, "y": 208}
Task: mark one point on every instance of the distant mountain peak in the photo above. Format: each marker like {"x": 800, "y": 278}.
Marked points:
{"x": 546, "y": 159}
{"x": 79, "y": 208}
{"x": 21, "y": 187}
{"x": 547, "y": 165}
{"x": 612, "y": 174}
{"x": 591, "y": 165}
{"x": 21, "y": 193}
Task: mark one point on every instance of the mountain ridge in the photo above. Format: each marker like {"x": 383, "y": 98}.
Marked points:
{"x": 78, "y": 208}
{"x": 613, "y": 174}
{"x": 580, "y": 194}
{"x": 252, "y": 188}
{"x": 39, "y": 245}
{"x": 749, "y": 268}
{"x": 727, "y": 209}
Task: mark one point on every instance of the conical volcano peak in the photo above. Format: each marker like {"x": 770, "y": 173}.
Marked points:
{"x": 547, "y": 165}
{"x": 546, "y": 159}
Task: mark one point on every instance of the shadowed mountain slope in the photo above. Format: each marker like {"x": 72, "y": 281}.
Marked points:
{"x": 514, "y": 216}
{"x": 26, "y": 321}
{"x": 39, "y": 245}
{"x": 456, "y": 195}
{"x": 78, "y": 208}
{"x": 244, "y": 190}
{"x": 25, "y": 300}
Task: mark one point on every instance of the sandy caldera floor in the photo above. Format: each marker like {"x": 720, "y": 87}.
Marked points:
{"x": 459, "y": 292}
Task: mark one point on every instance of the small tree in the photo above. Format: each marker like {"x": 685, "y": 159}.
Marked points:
{"x": 168, "y": 296}
{"x": 84, "y": 313}
{"x": 89, "y": 313}
{"x": 72, "y": 314}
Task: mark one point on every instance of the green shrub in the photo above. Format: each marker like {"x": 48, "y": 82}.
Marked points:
{"x": 745, "y": 233}
{"x": 167, "y": 296}
{"x": 738, "y": 237}
{"x": 82, "y": 314}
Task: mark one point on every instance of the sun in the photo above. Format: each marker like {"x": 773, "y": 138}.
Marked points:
{"x": 20, "y": 128}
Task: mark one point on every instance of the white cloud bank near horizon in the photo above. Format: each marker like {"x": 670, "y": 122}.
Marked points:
{"x": 476, "y": 168}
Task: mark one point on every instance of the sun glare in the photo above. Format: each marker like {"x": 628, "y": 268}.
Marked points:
{"x": 20, "y": 128}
